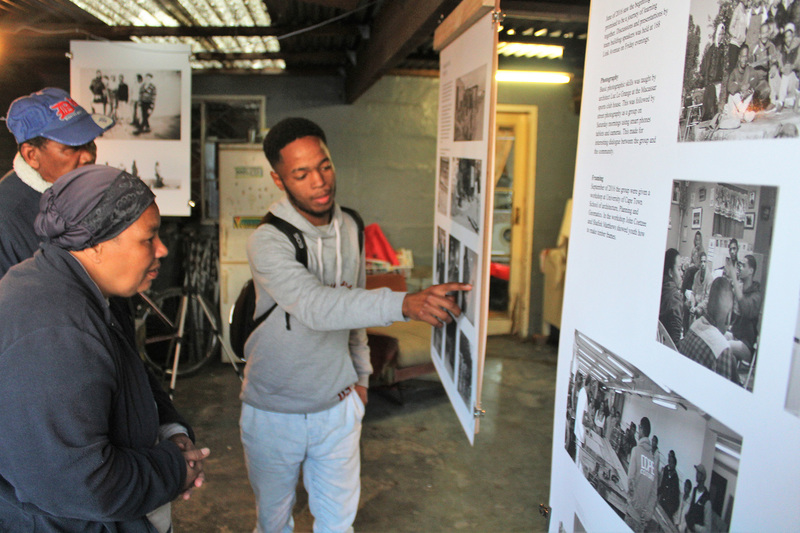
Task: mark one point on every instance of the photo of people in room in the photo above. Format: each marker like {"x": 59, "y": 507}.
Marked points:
{"x": 469, "y": 274}
{"x": 470, "y": 105}
{"x": 715, "y": 275}
{"x": 464, "y": 381}
{"x": 741, "y": 71}
{"x": 451, "y": 329}
{"x": 146, "y": 104}
{"x": 660, "y": 462}
{"x": 466, "y": 200}
{"x": 443, "y": 184}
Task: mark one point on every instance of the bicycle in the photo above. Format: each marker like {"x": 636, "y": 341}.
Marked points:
{"x": 179, "y": 334}
{"x": 178, "y": 330}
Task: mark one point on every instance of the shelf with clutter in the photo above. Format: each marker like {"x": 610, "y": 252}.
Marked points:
{"x": 402, "y": 350}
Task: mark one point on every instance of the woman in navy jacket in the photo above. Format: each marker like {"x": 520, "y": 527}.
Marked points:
{"x": 85, "y": 444}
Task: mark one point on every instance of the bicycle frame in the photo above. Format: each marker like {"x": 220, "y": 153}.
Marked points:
{"x": 178, "y": 332}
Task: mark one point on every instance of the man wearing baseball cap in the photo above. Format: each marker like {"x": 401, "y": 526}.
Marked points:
{"x": 54, "y": 135}
{"x": 700, "y": 512}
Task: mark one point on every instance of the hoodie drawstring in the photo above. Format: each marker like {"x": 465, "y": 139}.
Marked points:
{"x": 338, "y": 253}
{"x": 320, "y": 264}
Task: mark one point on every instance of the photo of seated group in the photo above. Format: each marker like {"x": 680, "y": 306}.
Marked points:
{"x": 450, "y": 343}
{"x": 715, "y": 275}
{"x": 741, "y": 71}
{"x": 659, "y": 461}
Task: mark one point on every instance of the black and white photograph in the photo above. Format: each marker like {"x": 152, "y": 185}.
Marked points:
{"x": 697, "y": 218}
{"x": 441, "y": 258}
{"x": 740, "y": 78}
{"x": 749, "y": 220}
{"x": 451, "y": 331}
{"x": 465, "y": 196}
{"x": 444, "y": 185}
{"x": 469, "y": 274}
{"x": 465, "y": 369}
{"x": 437, "y": 338}
{"x": 441, "y": 254}
{"x": 453, "y": 260}
{"x": 146, "y": 87}
{"x": 470, "y": 105}
{"x": 146, "y": 104}
{"x": 793, "y": 389}
{"x": 660, "y": 462}
{"x": 715, "y": 275}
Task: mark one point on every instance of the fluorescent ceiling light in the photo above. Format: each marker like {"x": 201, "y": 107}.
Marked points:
{"x": 727, "y": 450}
{"x": 601, "y": 370}
{"x": 605, "y": 370}
{"x": 664, "y": 403}
{"x": 619, "y": 365}
{"x": 544, "y": 51}
{"x": 597, "y": 376}
{"x": 586, "y": 340}
{"x": 586, "y": 355}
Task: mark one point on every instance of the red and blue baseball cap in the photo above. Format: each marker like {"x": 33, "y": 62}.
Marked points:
{"x": 51, "y": 113}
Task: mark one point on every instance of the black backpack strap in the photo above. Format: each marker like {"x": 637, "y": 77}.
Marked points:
{"x": 295, "y": 236}
{"x": 300, "y": 251}
{"x": 257, "y": 322}
{"x": 359, "y": 222}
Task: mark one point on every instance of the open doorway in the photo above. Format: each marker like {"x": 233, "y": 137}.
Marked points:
{"x": 512, "y": 224}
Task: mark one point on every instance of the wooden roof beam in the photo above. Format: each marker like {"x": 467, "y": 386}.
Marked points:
{"x": 125, "y": 32}
{"x": 398, "y": 29}
{"x": 549, "y": 11}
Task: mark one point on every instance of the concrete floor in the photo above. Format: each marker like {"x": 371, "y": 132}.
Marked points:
{"x": 419, "y": 472}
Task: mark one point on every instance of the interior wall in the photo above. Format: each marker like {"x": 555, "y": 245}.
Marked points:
{"x": 556, "y": 148}
{"x": 383, "y": 146}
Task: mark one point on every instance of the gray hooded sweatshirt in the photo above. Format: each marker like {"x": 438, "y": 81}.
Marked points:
{"x": 301, "y": 362}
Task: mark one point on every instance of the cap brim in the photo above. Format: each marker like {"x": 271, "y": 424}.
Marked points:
{"x": 80, "y": 131}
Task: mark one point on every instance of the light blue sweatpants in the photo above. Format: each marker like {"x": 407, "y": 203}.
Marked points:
{"x": 326, "y": 444}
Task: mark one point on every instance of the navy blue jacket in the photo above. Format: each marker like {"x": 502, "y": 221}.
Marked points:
{"x": 19, "y": 205}
{"x": 79, "y": 417}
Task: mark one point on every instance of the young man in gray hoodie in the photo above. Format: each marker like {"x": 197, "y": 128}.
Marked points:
{"x": 308, "y": 363}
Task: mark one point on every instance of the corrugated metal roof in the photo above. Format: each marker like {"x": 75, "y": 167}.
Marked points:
{"x": 274, "y": 36}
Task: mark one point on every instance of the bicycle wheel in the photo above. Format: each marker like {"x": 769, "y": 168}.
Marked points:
{"x": 200, "y": 341}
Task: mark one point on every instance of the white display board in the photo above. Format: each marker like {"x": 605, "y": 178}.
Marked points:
{"x": 160, "y": 153}
{"x": 463, "y": 208}
{"x": 683, "y": 153}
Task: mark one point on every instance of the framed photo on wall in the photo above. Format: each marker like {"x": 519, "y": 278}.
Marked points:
{"x": 749, "y": 220}
{"x": 697, "y": 217}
